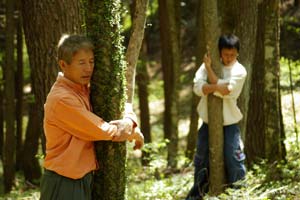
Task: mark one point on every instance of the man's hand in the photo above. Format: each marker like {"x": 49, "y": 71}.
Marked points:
{"x": 138, "y": 137}
{"x": 125, "y": 128}
{"x": 212, "y": 77}
{"x": 207, "y": 61}
{"x": 223, "y": 88}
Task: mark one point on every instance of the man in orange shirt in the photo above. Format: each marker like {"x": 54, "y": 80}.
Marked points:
{"x": 70, "y": 126}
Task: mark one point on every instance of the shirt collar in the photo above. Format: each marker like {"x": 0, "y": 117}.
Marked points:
{"x": 77, "y": 87}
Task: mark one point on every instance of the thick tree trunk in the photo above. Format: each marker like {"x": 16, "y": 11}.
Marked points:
{"x": 170, "y": 44}
{"x": 41, "y": 40}
{"x": 265, "y": 129}
{"x": 254, "y": 143}
{"x": 240, "y": 17}
{"x": 19, "y": 91}
{"x": 134, "y": 46}
{"x": 108, "y": 94}
{"x": 272, "y": 109}
{"x": 215, "y": 104}
{"x": 246, "y": 29}
{"x": 30, "y": 163}
{"x": 9, "y": 104}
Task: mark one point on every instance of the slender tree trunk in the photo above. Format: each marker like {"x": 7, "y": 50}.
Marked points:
{"x": 142, "y": 79}
{"x": 134, "y": 46}
{"x": 41, "y": 40}
{"x": 194, "y": 117}
{"x": 9, "y": 92}
{"x": 30, "y": 164}
{"x": 1, "y": 122}
{"x": 19, "y": 89}
{"x": 170, "y": 42}
{"x": 293, "y": 104}
{"x": 215, "y": 104}
{"x": 2, "y": 64}
{"x": 107, "y": 94}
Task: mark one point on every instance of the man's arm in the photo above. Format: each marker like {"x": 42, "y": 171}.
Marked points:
{"x": 212, "y": 88}
{"x": 70, "y": 115}
{"x": 212, "y": 77}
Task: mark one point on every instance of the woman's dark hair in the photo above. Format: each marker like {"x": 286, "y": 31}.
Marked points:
{"x": 229, "y": 42}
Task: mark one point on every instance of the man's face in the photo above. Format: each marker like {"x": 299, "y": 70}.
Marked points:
{"x": 229, "y": 56}
{"x": 81, "y": 67}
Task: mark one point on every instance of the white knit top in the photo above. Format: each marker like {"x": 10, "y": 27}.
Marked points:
{"x": 235, "y": 76}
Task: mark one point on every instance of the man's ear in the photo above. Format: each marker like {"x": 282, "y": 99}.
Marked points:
{"x": 62, "y": 65}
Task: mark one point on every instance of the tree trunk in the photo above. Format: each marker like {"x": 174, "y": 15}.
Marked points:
{"x": 169, "y": 18}
{"x": 1, "y": 122}
{"x": 134, "y": 46}
{"x": 254, "y": 143}
{"x": 30, "y": 164}
{"x": 2, "y": 64}
{"x": 272, "y": 108}
{"x": 215, "y": 104}
{"x": 142, "y": 79}
{"x": 107, "y": 94}
{"x": 51, "y": 19}
{"x": 265, "y": 129}
{"x": 19, "y": 90}
{"x": 246, "y": 29}
{"x": 9, "y": 104}
{"x": 293, "y": 104}
{"x": 194, "y": 117}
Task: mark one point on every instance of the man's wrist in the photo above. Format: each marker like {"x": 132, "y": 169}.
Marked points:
{"x": 130, "y": 121}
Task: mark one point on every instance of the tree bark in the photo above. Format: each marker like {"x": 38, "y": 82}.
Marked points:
{"x": 246, "y": 29}
{"x": 51, "y": 19}
{"x": 265, "y": 129}
{"x": 9, "y": 108}
{"x": 194, "y": 117}
{"x": 30, "y": 163}
{"x": 170, "y": 44}
{"x": 1, "y": 121}
{"x": 215, "y": 104}
{"x": 107, "y": 94}
{"x": 134, "y": 46}
{"x": 19, "y": 90}
{"x": 272, "y": 109}
{"x": 254, "y": 143}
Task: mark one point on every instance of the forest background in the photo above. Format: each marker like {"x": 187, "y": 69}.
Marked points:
{"x": 171, "y": 52}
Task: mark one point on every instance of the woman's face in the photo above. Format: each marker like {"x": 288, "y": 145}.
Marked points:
{"x": 229, "y": 56}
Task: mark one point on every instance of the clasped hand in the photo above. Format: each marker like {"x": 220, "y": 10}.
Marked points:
{"x": 125, "y": 131}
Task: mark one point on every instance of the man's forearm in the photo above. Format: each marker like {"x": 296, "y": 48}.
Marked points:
{"x": 212, "y": 77}
{"x": 209, "y": 88}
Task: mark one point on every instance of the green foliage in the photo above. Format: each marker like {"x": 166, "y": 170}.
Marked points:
{"x": 284, "y": 70}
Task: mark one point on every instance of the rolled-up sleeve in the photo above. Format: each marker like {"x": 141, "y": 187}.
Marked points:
{"x": 199, "y": 80}
{"x": 70, "y": 115}
{"x": 235, "y": 84}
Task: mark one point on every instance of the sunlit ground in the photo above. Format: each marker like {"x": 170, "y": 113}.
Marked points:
{"x": 155, "y": 182}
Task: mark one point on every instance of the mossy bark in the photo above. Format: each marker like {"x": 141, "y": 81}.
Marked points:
{"x": 107, "y": 94}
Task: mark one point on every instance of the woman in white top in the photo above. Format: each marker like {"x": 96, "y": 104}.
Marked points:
{"x": 228, "y": 88}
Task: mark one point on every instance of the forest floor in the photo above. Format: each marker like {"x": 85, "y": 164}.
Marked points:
{"x": 155, "y": 182}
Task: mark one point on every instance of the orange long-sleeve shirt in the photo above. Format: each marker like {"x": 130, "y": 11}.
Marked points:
{"x": 70, "y": 129}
